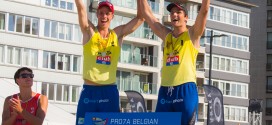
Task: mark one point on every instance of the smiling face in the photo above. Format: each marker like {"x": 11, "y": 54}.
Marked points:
{"x": 178, "y": 17}
{"x": 104, "y": 16}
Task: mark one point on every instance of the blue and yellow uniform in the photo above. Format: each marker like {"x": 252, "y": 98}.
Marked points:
{"x": 99, "y": 66}
{"x": 178, "y": 91}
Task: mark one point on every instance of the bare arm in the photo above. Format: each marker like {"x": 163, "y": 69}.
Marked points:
{"x": 85, "y": 25}
{"x": 160, "y": 30}
{"x": 40, "y": 114}
{"x": 131, "y": 26}
{"x": 7, "y": 117}
{"x": 198, "y": 28}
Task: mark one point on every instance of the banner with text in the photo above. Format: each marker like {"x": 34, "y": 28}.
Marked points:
{"x": 159, "y": 118}
{"x": 215, "y": 105}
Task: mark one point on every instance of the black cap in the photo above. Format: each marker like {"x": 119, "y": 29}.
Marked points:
{"x": 180, "y": 6}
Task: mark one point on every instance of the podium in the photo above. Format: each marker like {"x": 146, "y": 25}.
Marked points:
{"x": 152, "y": 118}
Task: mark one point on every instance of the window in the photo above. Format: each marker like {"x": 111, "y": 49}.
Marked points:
{"x": 234, "y": 18}
{"x": 229, "y": 16}
{"x": 227, "y": 89}
{"x": 76, "y": 61}
{"x": 215, "y": 63}
{"x": 269, "y": 18}
{"x": 64, "y": 62}
{"x": 11, "y": 22}
{"x": 233, "y": 89}
{"x": 44, "y": 89}
{"x": 77, "y": 34}
{"x": 75, "y": 93}
{"x": 2, "y": 21}
{"x": 61, "y": 92}
{"x": 126, "y": 54}
{"x": 70, "y": 6}
{"x": 60, "y": 4}
{"x": 233, "y": 65}
{"x": 269, "y": 2}
{"x": 14, "y": 55}
{"x": 235, "y": 113}
{"x": 22, "y": 56}
{"x": 49, "y": 60}
{"x": 269, "y": 40}
{"x": 48, "y": 2}
{"x": 269, "y": 84}
{"x": 233, "y": 41}
{"x": 23, "y": 24}
{"x": 68, "y": 32}
{"x": 226, "y": 113}
{"x": 27, "y": 25}
{"x": 19, "y": 23}
{"x": 54, "y": 29}
{"x": 124, "y": 80}
{"x": 268, "y": 122}
{"x": 17, "y": 59}
{"x": 269, "y": 62}
{"x": 62, "y": 31}
{"x": 56, "y": 3}
{"x": 2, "y": 54}
{"x": 47, "y": 28}
{"x": 35, "y": 26}
{"x": 223, "y": 64}
{"x": 268, "y": 107}
{"x": 30, "y": 57}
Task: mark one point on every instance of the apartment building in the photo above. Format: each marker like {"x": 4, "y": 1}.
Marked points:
{"x": 261, "y": 57}
{"x": 45, "y": 36}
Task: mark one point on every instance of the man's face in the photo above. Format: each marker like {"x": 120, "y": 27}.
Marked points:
{"x": 104, "y": 16}
{"x": 178, "y": 17}
{"x": 25, "y": 79}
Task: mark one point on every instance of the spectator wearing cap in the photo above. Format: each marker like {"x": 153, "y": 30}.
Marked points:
{"x": 101, "y": 50}
{"x": 25, "y": 107}
{"x": 178, "y": 91}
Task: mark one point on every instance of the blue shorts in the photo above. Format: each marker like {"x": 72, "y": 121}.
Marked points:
{"x": 182, "y": 98}
{"x": 97, "y": 99}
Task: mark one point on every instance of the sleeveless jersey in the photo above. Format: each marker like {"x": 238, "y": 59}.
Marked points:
{"x": 30, "y": 106}
{"x": 101, "y": 58}
{"x": 179, "y": 60}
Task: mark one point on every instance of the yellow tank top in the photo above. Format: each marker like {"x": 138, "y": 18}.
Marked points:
{"x": 179, "y": 60}
{"x": 101, "y": 58}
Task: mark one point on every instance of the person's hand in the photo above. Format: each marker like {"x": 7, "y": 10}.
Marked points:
{"x": 15, "y": 104}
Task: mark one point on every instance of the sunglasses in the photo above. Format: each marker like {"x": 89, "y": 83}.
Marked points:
{"x": 25, "y": 75}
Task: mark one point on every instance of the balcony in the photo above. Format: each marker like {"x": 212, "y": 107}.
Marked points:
{"x": 124, "y": 84}
{"x": 138, "y": 59}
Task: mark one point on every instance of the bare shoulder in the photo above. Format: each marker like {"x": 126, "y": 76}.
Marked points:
{"x": 43, "y": 98}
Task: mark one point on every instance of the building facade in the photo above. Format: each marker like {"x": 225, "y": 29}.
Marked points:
{"x": 261, "y": 57}
{"x": 45, "y": 36}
